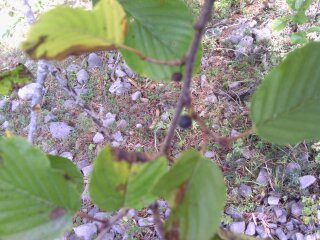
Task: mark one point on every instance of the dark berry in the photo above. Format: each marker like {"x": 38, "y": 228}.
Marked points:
{"x": 176, "y": 77}
{"x": 185, "y": 121}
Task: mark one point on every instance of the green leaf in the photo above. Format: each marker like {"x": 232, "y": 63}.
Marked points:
{"x": 117, "y": 183}
{"x": 279, "y": 24}
{"x": 300, "y": 18}
{"x": 161, "y": 30}
{"x": 313, "y": 29}
{"x": 36, "y": 201}
{"x": 199, "y": 196}
{"x": 285, "y": 108}
{"x": 65, "y": 31}
{"x": 299, "y": 38}
{"x": 18, "y": 76}
{"x": 94, "y": 2}
{"x": 69, "y": 170}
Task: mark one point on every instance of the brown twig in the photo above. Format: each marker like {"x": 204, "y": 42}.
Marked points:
{"x": 122, "y": 212}
{"x": 175, "y": 62}
{"x": 158, "y": 222}
{"x": 87, "y": 216}
{"x": 184, "y": 99}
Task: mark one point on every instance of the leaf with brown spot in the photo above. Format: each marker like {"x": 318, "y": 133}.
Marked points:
{"x": 57, "y": 213}
{"x": 65, "y": 31}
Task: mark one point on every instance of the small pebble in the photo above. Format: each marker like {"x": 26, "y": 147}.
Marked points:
{"x": 86, "y": 231}
{"x": 306, "y": 181}
{"x": 272, "y": 200}
{"x": 87, "y": 170}
{"x": 98, "y": 138}
{"x": 67, "y": 155}
{"x": 237, "y": 227}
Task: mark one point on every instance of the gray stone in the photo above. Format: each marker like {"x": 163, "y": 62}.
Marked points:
{"x": 244, "y": 47}
{"x": 49, "y": 118}
{"x": 115, "y": 144}
{"x": 296, "y": 209}
{"x": 237, "y": 227}
{"x": 94, "y": 61}
{"x": 120, "y": 87}
{"x": 292, "y": 168}
{"x": 98, "y": 138}
{"x": 310, "y": 237}
{"x": 119, "y": 73}
{"x": 234, "y": 85}
{"x": 67, "y": 155}
{"x": 135, "y": 96}
{"x": 100, "y": 216}
{"x": 272, "y": 200}
{"x": 122, "y": 124}
{"x": 167, "y": 213}
{"x": 117, "y": 137}
{"x": 282, "y": 218}
{"x": 73, "y": 68}
{"x": 83, "y": 163}
{"x": 82, "y": 76}
{"x": 290, "y": 226}
{"x": 3, "y": 103}
{"x": 5, "y": 125}
{"x": 119, "y": 229}
{"x": 251, "y": 229}
{"x": 15, "y": 105}
{"x": 203, "y": 81}
{"x": 69, "y": 104}
{"x": 87, "y": 170}
{"x": 85, "y": 197}
{"x": 109, "y": 236}
{"x": 278, "y": 212}
{"x": 280, "y": 234}
{"x": 60, "y": 130}
{"x": 109, "y": 119}
{"x": 26, "y": 93}
{"x": 138, "y": 126}
{"x": 262, "y": 178}
{"x": 261, "y": 35}
{"x": 86, "y": 231}
{"x": 306, "y": 181}
{"x": 209, "y": 154}
{"x": 235, "y": 214}
{"x": 144, "y": 222}
{"x": 245, "y": 190}
{"x": 210, "y": 99}
{"x": 298, "y": 236}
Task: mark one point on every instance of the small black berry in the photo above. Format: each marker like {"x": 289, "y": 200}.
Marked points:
{"x": 176, "y": 77}
{"x": 185, "y": 121}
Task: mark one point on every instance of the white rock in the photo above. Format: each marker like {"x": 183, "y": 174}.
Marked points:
{"x": 87, "y": 170}
{"x": 121, "y": 124}
{"x": 120, "y": 73}
{"x": 117, "y": 136}
{"x": 3, "y": 103}
{"x": 49, "y": 118}
{"x": 211, "y": 99}
{"x": 272, "y": 200}
{"x": 98, "y": 138}
{"x": 60, "y": 130}
{"x": 15, "y": 105}
{"x": 138, "y": 126}
{"x": 209, "y": 154}
{"x": 238, "y": 227}
{"x": 5, "y": 125}
{"x": 86, "y": 231}
{"x": 82, "y": 76}
{"x": 245, "y": 190}
{"x": 306, "y": 181}
{"x": 94, "y": 61}
{"x": 67, "y": 155}
{"x": 72, "y": 68}
{"x": 120, "y": 87}
{"x": 234, "y": 85}
{"x": 109, "y": 119}
{"x": 144, "y": 222}
{"x": 25, "y": 93}
{"x": 251, "y": 229}
{"x": 135, "y": 96}
{"x": 262, "y": 178}
{"x": 83, "y": 163}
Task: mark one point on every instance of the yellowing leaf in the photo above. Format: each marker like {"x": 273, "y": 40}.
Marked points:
{"x": 64, "y": 31}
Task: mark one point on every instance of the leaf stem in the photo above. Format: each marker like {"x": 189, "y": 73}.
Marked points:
{"x": 175, "y": 62}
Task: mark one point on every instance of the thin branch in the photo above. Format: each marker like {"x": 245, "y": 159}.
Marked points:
{"x": 87, "y": 216}
{"x": 37, "y": 98}
{"x": 115, "y": 67}
{"x": 184, "y": 99}
{"x": 113, "y": 220}
{"x": 176, "y": 62}
{"x": 158, "y": 222}
{"x": 42, "y": 72}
